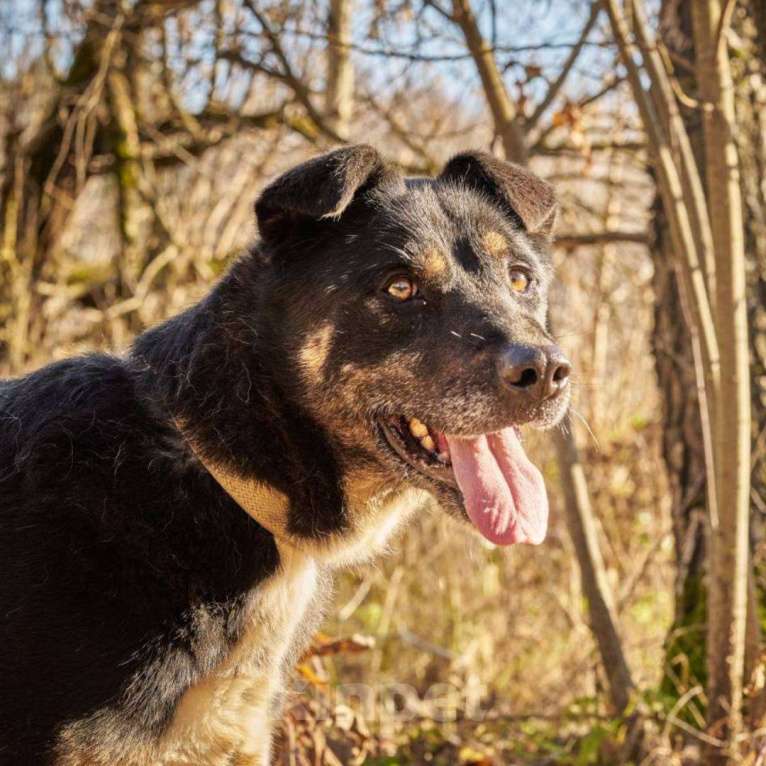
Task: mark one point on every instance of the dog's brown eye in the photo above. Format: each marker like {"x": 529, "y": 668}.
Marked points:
{"x": 402, "y": 288}
{"x": 519, "y": 281}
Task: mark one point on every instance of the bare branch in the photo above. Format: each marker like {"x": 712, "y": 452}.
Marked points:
{"x": 558, "y": 83}
{"x": 504, "y": 112}
{"x": 569, "y": 241}
{"x": 671, "y": 188}
{"x": 538, "y": 143}
{"x": 287, "y": 74}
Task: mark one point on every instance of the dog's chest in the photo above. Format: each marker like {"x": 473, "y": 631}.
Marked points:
{"x": 229, "y": 711}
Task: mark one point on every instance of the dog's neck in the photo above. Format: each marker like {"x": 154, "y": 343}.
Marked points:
{"x": 259, "y": 500}
{"x": 373, "y": 506}
{"x": 209, "y": 371}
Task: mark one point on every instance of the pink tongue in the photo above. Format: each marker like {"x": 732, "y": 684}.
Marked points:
{"x": 504, "y": 493}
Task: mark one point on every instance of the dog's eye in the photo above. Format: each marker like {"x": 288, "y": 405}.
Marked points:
{"x": 402, "y": 288}
{"x": 519, "y": 281}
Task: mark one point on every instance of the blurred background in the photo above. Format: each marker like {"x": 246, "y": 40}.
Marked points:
{"x": 134, "y": 138}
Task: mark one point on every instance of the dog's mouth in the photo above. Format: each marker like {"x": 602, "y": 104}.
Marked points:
{"x": 502, "y": 492}
{"x": 420, "y": 446}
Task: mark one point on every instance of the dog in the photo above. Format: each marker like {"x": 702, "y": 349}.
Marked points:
{"x": 170, "y": 520}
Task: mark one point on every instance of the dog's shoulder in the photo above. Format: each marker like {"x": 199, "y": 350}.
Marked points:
{"x": 73, "y": 424}
{"x": 64, "y": 392}
{"x": 124, "y": 565}
{"x": 48, "y": 416}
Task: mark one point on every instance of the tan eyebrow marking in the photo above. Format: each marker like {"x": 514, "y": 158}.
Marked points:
{"x": 434, "y": 263}
{"x": 495, "y": 244}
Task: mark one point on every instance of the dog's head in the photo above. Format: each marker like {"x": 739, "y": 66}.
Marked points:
{"x": 412, "y": 313}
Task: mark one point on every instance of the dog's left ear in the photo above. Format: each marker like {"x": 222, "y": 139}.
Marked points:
{"x": 321, "y": 188}
{"x": 525, "y": 198}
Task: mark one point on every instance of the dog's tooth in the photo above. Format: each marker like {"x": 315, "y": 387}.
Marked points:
{"x": 418, "y": 429}
{"x": 428, "y": 443}
{"x": 443, "y": 457}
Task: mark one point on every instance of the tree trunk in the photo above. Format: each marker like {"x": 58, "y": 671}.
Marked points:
{"x": 682, "y": 439}
{"x": 684, "y": 456}
{"x": 581, "y": 523}
{"x": 48, "y": 169}
{"x": 729, "y": 539}
{"x": 750, "y": 79}
{"x": 131, "y": 209}
{"x": 682, "y": 444}
{"x": 714, "y": 290}
{"x": 340, "y": 70}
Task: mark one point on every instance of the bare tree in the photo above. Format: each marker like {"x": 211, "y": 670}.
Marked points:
{"x": 729, "y": 532}
{"x": 708, "y": 238}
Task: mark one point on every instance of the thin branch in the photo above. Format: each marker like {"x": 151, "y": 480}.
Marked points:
{"x": 418, "y": 147}
{"x": 558, "y": 83}
{"x": 664, "y": 99}
{"x": 504, "y": 112}
{"x": 412, "y": 55}
{"x": 568, "y": 241}
{"x": 724, "y": 22}
{"x": 538, "y": 143}
{"x": 288, "y": 76}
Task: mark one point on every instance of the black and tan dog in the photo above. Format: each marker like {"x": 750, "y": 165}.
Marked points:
{"x": 169, "y": 520}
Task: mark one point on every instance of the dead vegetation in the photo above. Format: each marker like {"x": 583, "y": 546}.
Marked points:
{"x": 133, "y": 140}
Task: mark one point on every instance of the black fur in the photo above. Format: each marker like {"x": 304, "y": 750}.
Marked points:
{"x": 124, "y": 566}
{"x": 123, "y": 562}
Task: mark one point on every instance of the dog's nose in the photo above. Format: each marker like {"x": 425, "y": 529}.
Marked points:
{"x": 541, "y": 372}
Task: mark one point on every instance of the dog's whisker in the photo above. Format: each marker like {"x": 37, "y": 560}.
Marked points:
{"x": 582, "y": 419}
{"x": 456, "y": 334}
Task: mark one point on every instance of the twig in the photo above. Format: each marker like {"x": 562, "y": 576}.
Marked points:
{"x": 600, "y": 238}
{"x": 566, "y": 68}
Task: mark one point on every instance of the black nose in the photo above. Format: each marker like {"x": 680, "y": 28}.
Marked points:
{"x": 541, "y": 372}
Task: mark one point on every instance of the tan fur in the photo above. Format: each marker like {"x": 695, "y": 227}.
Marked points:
{"x": 355, "y": 380}
{"x": 434, "y": 263}
{"x": 315, "y": 350}
{"x": 495, "y": 244}
{"x": 374, "y": 509}
{"x": 116, "y": 744}
{"x": 268, "y": 506}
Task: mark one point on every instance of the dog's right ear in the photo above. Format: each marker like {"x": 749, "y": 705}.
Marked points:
{"x": 319, "y": 189}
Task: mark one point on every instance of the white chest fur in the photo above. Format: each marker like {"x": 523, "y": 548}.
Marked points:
{"x": 373, "y": 516}
{"x": 229, "y": 711}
